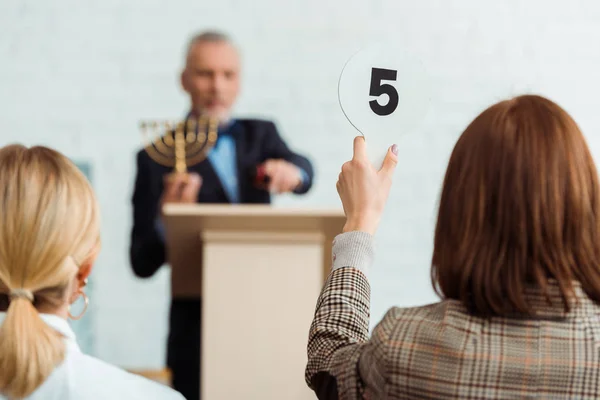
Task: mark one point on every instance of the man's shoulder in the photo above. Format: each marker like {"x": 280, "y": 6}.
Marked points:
{"x": 252, "y": 126}
{"x": 141, "y": 152}
{"x": 143, "y": 158}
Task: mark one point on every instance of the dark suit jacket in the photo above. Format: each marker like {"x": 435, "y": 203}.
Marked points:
{"x": 256, "y": 141}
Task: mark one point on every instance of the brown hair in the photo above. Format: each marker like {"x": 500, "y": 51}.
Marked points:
{"x": 49, "y": 226}
{"x": 520, "y": 206}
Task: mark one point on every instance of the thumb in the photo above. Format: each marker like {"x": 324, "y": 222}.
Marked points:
{"x": 195, "y": 180}
{"x": 390, "y": 161}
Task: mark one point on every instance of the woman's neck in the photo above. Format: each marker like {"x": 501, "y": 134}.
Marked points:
{"x": 61, "y": 311}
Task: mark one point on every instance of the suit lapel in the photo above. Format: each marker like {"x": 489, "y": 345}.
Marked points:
{"x": 208, "y": 172}
{"x": 205, "y": 168}
{"x": 239, "y": 137}
{"x": 209, "y": 176}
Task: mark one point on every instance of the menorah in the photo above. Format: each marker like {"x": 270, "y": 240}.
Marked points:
{"x": 179, "y": 144}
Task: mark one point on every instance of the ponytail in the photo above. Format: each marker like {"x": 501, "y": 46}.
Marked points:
{"x": 50, "y": 221}
{"x": 29, "y": 350}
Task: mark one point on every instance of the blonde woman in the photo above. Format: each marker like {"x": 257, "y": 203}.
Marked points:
{"x": 49, "y": 239}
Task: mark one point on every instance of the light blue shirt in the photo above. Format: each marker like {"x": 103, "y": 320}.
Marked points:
{"x": 224, "y": 161}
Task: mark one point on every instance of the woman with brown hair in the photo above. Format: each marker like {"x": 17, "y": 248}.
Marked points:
{"x": 49, "y": 239}
{"x": 516, "y": 261}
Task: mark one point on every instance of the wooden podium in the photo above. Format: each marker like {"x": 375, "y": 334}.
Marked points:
{"x": 259, "y": 270}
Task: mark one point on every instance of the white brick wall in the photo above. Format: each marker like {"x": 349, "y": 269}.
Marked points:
{"x": 78, "y": 75}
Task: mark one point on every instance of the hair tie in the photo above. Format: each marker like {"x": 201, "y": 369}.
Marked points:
{"x": 21, "y": 294}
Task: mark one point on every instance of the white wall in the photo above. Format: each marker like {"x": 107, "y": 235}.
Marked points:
{"x": 78, "y": 75}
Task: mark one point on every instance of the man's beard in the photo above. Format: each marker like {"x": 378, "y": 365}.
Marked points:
{"x": 223, "y": 116}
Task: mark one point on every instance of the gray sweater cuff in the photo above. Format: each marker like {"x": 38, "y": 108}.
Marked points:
{"x": 353, "y": 249}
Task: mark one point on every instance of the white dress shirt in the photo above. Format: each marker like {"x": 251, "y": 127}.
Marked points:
{"x": 81, "y": 377}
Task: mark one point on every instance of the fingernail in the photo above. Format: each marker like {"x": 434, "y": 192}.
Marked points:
{"x": 395, "y": 149}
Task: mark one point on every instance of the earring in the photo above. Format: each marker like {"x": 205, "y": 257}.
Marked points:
{"x": 85, "y": 307}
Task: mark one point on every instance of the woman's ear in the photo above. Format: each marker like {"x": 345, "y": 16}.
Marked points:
{"x": 84, "y": 272}
{"x": 80, "y": 281}
{"x": 85, "y": 269}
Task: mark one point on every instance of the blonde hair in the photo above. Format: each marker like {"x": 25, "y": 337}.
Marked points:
{"x": 49, "y": 226}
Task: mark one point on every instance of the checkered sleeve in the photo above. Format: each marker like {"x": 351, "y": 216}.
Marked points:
{"x": 342, "y": 361}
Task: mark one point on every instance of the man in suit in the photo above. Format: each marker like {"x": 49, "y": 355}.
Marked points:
{"x": 211, "y": 78}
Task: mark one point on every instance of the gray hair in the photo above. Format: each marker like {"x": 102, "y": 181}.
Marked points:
{"x": 209, "y": 37}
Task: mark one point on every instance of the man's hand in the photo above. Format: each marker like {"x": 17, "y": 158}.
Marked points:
{"x": 284, "y": 176}
{"x": 180, "y": 188}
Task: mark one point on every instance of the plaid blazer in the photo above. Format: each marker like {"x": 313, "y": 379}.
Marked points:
{"x": 440, "y": 351}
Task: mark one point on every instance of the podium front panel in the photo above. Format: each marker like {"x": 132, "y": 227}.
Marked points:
{"x": 259, "y": 271}
{"x": 259, "y": 297}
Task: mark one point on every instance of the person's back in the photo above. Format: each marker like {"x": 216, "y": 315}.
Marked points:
{"x": 443, "y": 351}
{"x": 516, "y": 260}
{"x": 80, "y": 376}
{"x": 49, "y": 239}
